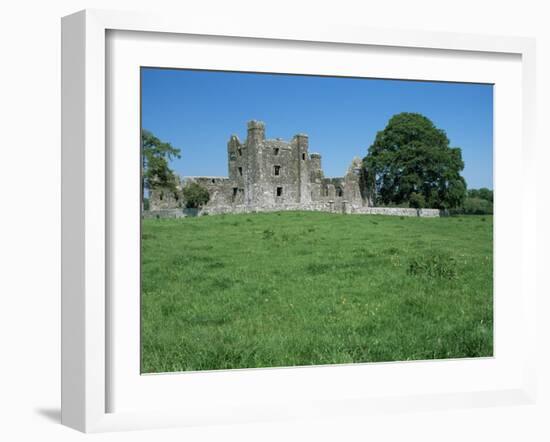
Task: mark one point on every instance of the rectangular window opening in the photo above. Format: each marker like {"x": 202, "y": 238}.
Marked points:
{"x": 276, "y": 151}
{"x": 279, "y": 191}
{"x": 277, "y": 170}
{"x": 240, "y": 171}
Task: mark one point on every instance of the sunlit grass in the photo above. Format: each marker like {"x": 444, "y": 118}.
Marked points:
{"x": 303, "y": 288}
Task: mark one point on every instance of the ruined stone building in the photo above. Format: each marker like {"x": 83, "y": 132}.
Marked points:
{"x": 271, "y": 174}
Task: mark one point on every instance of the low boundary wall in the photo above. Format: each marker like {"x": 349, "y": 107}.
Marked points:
{"x": 313, "y": 207}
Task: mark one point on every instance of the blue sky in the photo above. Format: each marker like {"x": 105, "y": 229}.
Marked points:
{"x": 197, "y": 111}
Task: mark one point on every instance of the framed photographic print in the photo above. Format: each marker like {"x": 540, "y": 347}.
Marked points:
{"x": 264, "y": 223}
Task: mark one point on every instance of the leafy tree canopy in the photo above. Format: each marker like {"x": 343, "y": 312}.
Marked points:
{"x": 156, "y": 155}
{"x": 411, "y": 162}
{"x": 195, "y": 195}
{"x": 483, "y": 193}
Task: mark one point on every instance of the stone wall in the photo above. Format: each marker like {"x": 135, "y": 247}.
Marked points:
{"x": 397, "y": 211}
{"x": 165, "y": 199}
{"x": 330, "y": 207}
{"x": 219, "y": 188}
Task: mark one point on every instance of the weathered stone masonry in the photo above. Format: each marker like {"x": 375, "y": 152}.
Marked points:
{"x": 272, "y": 175}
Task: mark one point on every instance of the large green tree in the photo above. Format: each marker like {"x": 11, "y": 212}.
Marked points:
{"x": 155, "y": 157}
{"x": 411, "y": 163}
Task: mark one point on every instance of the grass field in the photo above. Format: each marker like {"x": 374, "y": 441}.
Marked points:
{"x": 302, "y": 288}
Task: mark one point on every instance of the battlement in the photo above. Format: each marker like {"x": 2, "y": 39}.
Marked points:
{"x": 256, "y": 124}
{"x": 256, "y": 132}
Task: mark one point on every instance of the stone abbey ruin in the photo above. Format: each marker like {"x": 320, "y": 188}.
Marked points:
{"x": 266, "y": 175}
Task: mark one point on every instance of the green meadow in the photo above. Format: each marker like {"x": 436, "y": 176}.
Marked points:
{"x": 308, "y": 288}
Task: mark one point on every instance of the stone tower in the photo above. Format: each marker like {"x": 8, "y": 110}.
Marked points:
{"x": 300, "y": 145}
{"x": 267, "y": 172}
{"x": 273, "y": 174}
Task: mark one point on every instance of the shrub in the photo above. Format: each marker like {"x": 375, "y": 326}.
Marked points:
{"x": 477, "y": 206}
{"x": 473, "y": 206}
{"x": 195, "y": 195}
{"x": 434, "y": 266}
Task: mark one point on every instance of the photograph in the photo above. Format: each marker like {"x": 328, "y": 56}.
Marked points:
{"x": 303, "y": 220}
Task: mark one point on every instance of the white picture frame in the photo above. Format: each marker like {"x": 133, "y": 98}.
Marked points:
{"x": 86, "y": 234}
